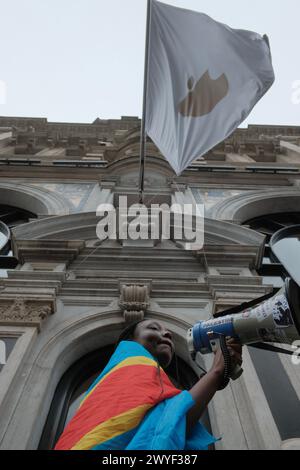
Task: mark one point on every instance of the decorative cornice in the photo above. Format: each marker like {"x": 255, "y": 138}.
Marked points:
{"x": 51, "y": 250}
{"x": 129, "y": 163}
{"x": 109, "y": 182}
{"x": 83, "y": 227}
{"x": 21, "y": 311}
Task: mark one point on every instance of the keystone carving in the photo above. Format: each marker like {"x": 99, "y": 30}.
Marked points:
{"x": 134, "y": 301}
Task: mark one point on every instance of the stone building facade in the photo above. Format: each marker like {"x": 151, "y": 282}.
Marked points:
{"x": 69, "y": 295}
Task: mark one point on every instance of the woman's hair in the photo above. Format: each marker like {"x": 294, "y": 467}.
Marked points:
{"x": 128, "y": 332}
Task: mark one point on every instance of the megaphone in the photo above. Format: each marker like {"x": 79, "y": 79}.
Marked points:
{"x": 277, "y": 320}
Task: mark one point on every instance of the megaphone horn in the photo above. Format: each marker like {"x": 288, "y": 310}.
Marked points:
{"x": 276, "y": 320}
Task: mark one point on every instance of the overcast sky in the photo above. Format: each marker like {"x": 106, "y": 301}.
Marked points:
{"x": 75, "y": 60}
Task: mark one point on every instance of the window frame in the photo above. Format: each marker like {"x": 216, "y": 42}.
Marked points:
{"x": 275, "y": 268}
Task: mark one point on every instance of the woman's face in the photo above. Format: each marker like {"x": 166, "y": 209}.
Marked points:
{"x": 156, "y": 339}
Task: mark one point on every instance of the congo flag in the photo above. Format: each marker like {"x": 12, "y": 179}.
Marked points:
{"x": 117, "y": 401}
{"x": 133, "y": 405}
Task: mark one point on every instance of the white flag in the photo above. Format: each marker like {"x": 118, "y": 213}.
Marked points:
{"x": 204, "y": 80}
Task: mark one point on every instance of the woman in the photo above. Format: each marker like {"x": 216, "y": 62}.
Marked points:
{"x": 133, "y": 404}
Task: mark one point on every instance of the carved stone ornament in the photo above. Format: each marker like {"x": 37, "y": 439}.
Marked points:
{"x": 134, "y": 301}
{"x": 24, "y": 312}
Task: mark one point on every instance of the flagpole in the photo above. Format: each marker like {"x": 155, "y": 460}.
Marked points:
{"x": 143, "y": 125}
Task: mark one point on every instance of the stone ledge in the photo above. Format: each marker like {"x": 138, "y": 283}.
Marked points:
{"x": 60, "y": 251}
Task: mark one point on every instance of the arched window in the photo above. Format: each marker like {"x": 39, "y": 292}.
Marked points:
{"x": 285, "y": 245}
{"x": 73, "y": 384}
{"x": 10, "y": 217}
{"x": 76, "y": 381}
{"x": 272, "y": 270}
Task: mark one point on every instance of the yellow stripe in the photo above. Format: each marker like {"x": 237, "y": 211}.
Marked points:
{"x": 112, "y": 428}
{"x": 131, "y": 361}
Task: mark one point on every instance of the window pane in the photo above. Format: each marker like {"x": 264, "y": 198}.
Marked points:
{"x": 78, "y": 397}
{"x": 6, "y": 347}
{"x": 286, "y": 247}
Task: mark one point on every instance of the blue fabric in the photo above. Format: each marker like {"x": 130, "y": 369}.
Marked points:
{"x": 164, "y": 428}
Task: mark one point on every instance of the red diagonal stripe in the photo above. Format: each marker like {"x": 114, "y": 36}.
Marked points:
{"x": 124, "y": 389}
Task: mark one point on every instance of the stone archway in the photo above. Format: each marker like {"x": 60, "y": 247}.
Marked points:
{"x": 39, "y": 201}
{"x": 58, "y": 350}
{"x": 239, "y": 209}
{"x": 83, "y": 227}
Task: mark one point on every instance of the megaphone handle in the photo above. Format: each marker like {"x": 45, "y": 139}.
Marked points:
{"x": 236, "y": 372}
{"x": 227, "y": 362}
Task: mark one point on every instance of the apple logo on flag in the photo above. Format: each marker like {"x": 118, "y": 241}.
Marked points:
{"x": 204, "y": 96}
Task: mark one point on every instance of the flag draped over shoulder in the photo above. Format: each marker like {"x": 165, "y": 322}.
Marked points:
{"x": 131, "y": 406}
{"x": 204, "y": 80}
